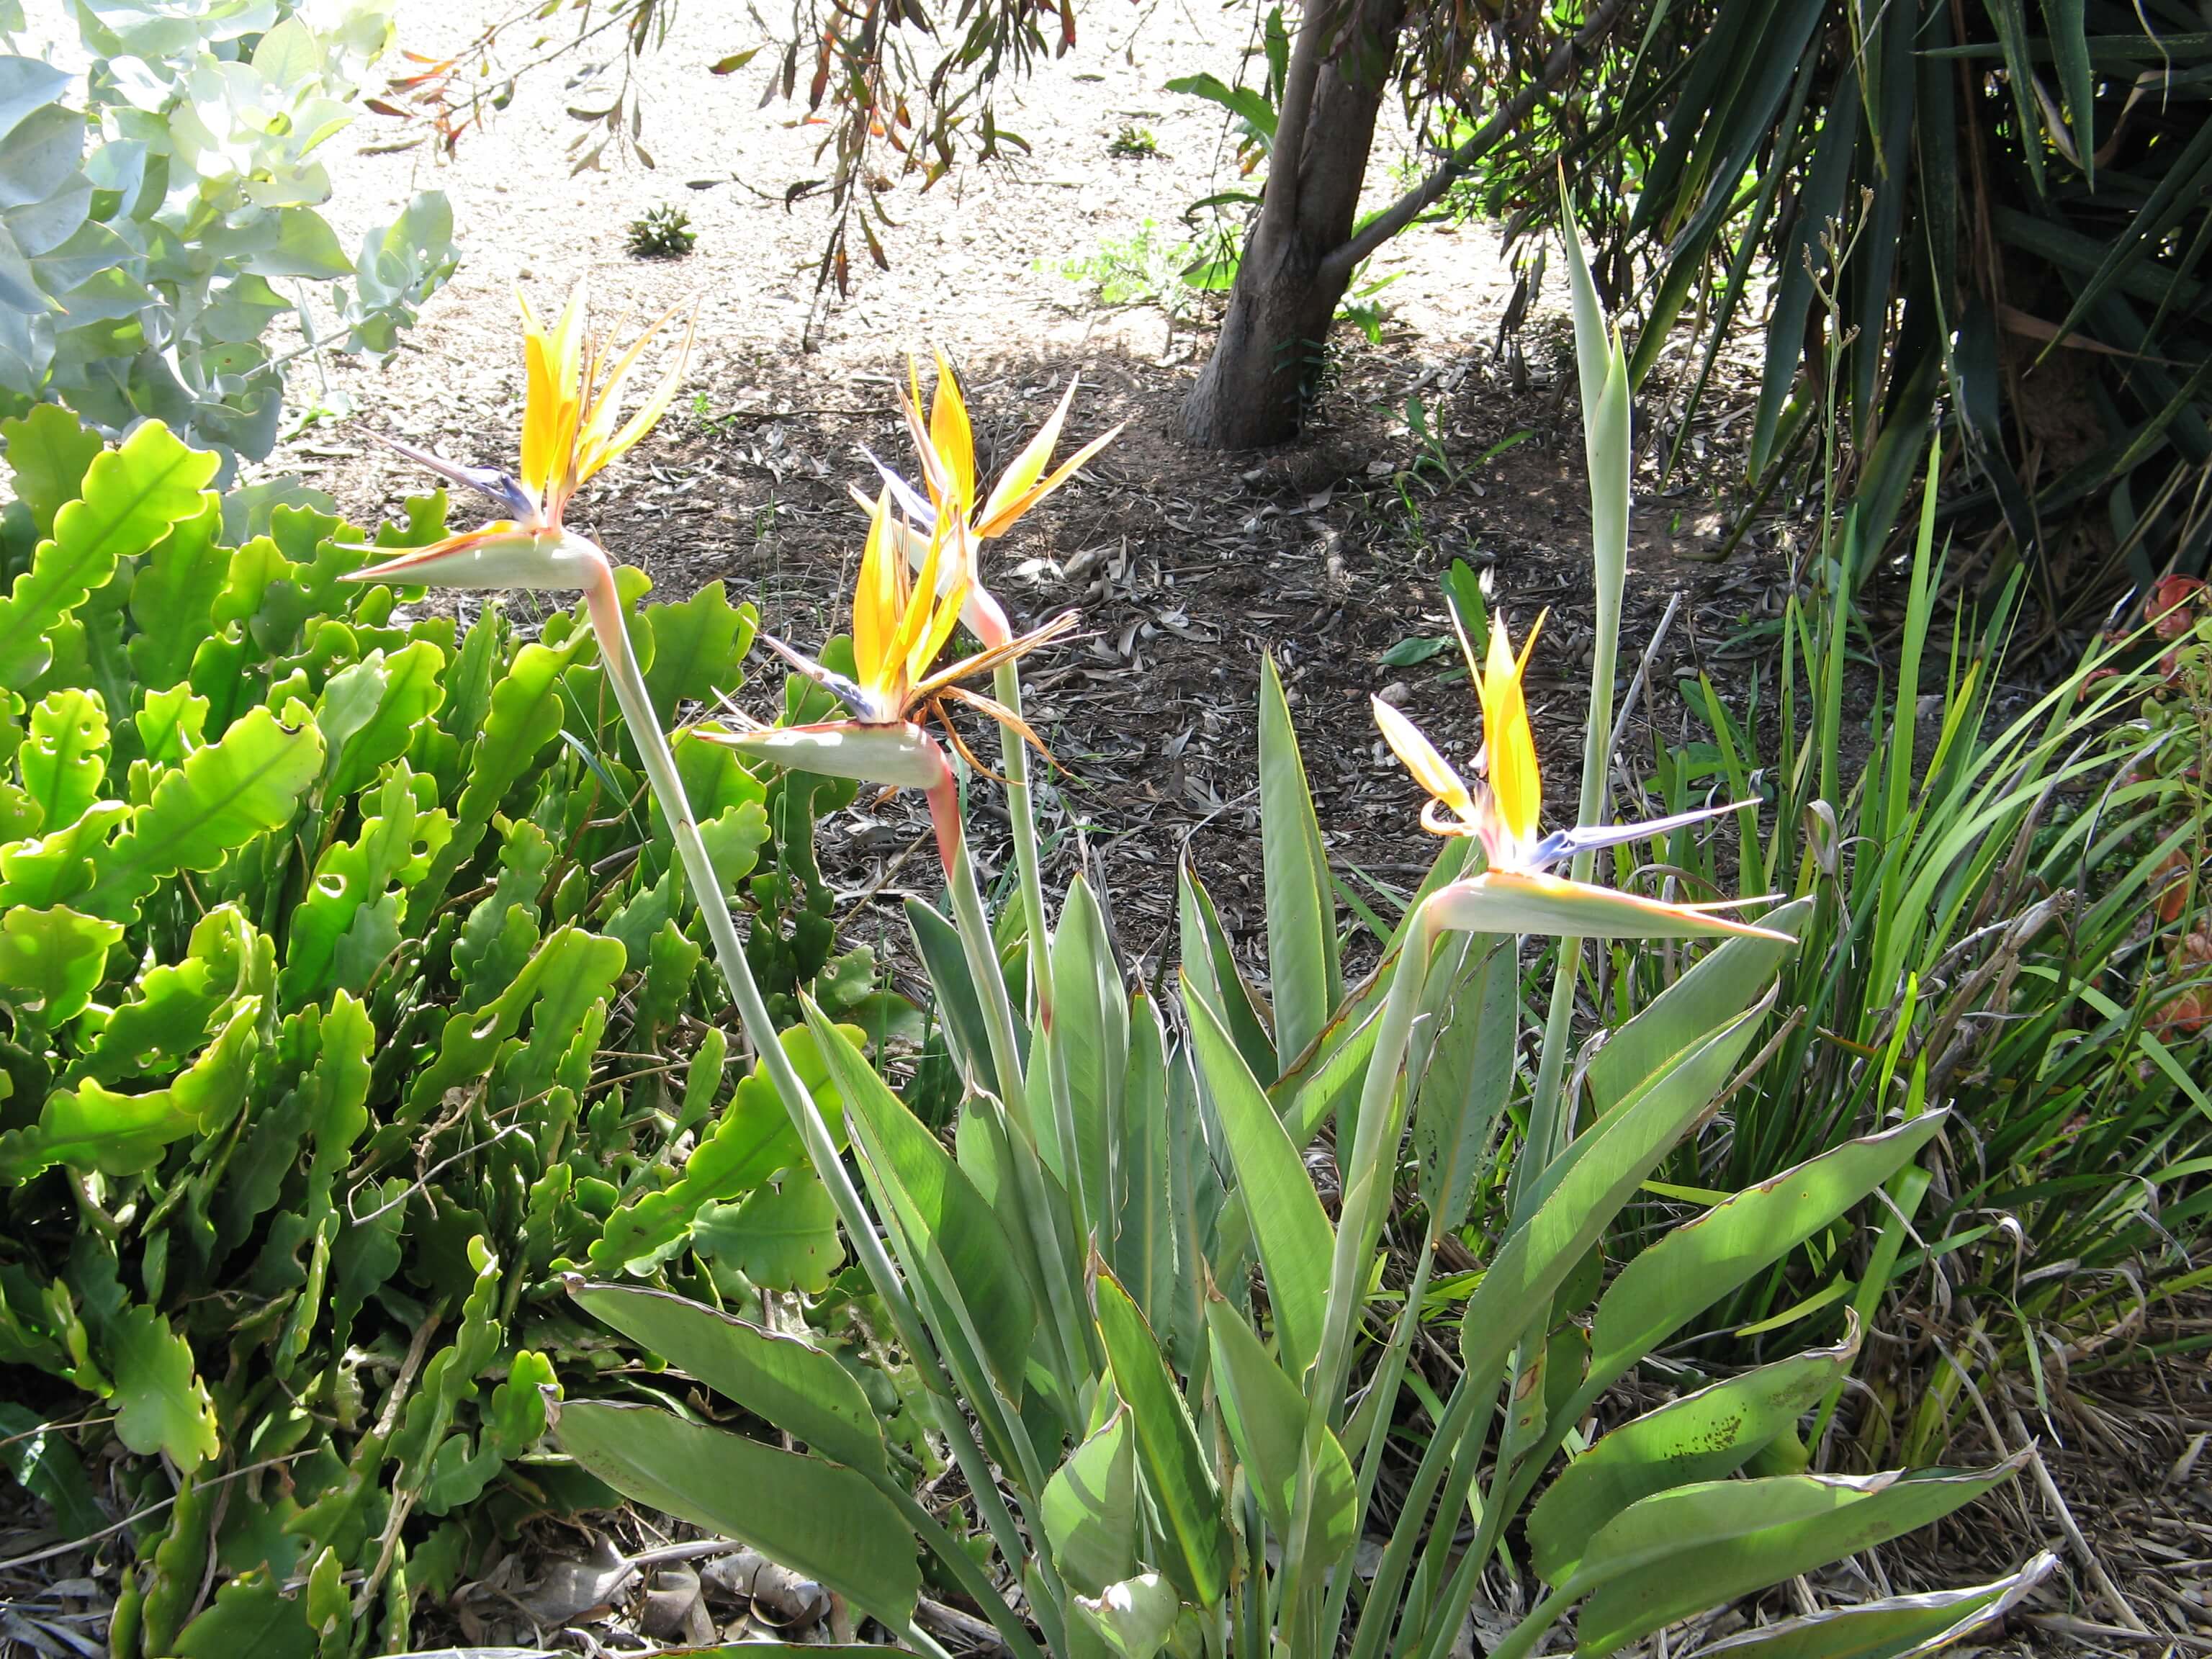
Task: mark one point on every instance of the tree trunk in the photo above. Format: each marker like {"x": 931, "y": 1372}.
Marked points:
{"x": 1254, "y": 388}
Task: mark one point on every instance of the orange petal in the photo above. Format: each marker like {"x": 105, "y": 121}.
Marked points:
{"x": 997, "y": 523}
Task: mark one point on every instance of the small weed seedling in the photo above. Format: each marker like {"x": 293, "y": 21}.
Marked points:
{"x": 662, "y": 233}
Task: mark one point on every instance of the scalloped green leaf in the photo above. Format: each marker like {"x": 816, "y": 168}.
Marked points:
{"x": 52, "y": 960}
{"x": 132, "y": 495}
{"x": 48, "y": 451}
{"x": 242, "y": 786}
{"x": 63, "y": 758}
{"x": 92, "y": 1127}
{"x": 161, "y": 1404}
{"x": 698, "y": 647}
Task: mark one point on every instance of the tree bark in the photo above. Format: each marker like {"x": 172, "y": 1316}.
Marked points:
{"x": 1301, "y": 251}
{"x": 1255, "y": 389}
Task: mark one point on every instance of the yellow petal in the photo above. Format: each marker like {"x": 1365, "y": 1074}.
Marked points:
{"x": 953, "y": 437}
{"x": 916, "y": 616}
{"x": 943, "y": 614}
{"x": 539, "y": 415}
{"x": 1029, "y": 466}
{"x": 875, "y": 599}
{"x": 565, "y": 364}
{"x": 997, "y": 522}
{"x": 1515, "y": 783}
{"x": 1430, "y": 769}
{"x": 936, "y": 476}
{"x": 593, "y": 449}
{"x": 648, "y": 416}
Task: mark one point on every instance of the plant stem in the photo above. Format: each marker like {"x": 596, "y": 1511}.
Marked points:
{"x": 1383, "y": 1391}
{"x": 1055, "y": 1256}
{"x": 1367, "y": 1174}
{"x": 606, "y": 611}
{"x": 1021, "y": 811}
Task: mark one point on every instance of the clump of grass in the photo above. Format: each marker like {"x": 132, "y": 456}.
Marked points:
{"x": 662, "y": 233}
{"x": 1133, "y": 143}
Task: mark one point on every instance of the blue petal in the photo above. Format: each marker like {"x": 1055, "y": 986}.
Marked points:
{"x": 1565, "y": 843}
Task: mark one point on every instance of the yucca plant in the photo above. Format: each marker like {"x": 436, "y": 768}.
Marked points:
{"x": 2011, "y": 198}
{"x": 1135, "y": 1318}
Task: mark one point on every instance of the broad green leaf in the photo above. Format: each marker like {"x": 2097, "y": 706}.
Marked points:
{"x": 1702, "y": 1435}
{"x": 1249, "y": 104}
{"x": 409, "y": 691}
{"x": 161, "y": 1404}
{"x": 48, "y": 451}
{"x": 1132, "y": 1618}
{"x": 1210, "y": 971}
{"x": 1715, "y": 988}
{"x": 247, "y": 782}
{"x": 959, "y": 1009}
{"x": 950, "y": 1233}
{"x": 1089, "y": 1035}
{"x": 781, "y": 1236}
{"x": 1297, "y": 1244}
{"x": 1608, "y": 1162}
{"x": 1269, "y": 1423}
{"x": 816, "y": 1518}
{"x": 1681, "y": 1551}
{"x": 1593, "y": 341}
{"x": 93, "y": 1127}
{"x": 1090, "y": 1509}
{"x": 698, "y": 647}
{"x": 64, "y": 756}
{"x": 1143, "y": 1241}
{"x": 1177, "y": 1474}
{"x": 1469, "y": 1073}
{"x": 752, "y": 1139}
{"x": 251, "y": 1615}
{"x": 173, "y": 593}
{"x": 1303, "y": 971}
{"x": 51, "y": 961}
{"x": 1708, "y": 1256}
{"x": 174, "y": 1004}
{"x": 132, "y": 495}
{"x": 796, "y": 1386}
{"x": 1895, "y": 1627}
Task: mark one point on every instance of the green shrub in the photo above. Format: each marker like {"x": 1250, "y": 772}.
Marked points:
{"x": 161, "y": 217}
{"x": 1984, "y": 935}
{"x": 349, "y": 1003}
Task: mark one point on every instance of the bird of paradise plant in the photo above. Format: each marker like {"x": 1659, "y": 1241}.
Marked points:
{"x": 1190, "y": 1473}
{"x": 901, "y": 625}
{"x": 1503, "y": 809}
{"x": 946, "y": 509}
{"x": 573, "y": 400}
{"x": 1193, "y": 1477}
